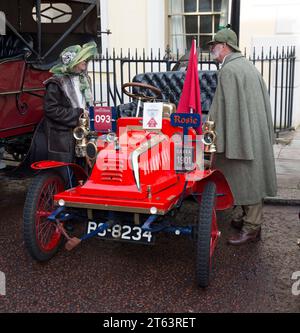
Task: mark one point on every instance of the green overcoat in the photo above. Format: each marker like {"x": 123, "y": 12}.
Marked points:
{"x": 242, "y": 113}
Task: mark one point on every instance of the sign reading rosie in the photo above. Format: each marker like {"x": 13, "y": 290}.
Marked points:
{"x": 185, "y": 120}
{"x": 184, "y": 155}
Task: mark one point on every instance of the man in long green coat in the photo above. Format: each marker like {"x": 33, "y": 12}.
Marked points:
{"x": 241, "y": 111}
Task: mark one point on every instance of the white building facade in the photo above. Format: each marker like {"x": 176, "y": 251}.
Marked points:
{"x": 154, "y": 24}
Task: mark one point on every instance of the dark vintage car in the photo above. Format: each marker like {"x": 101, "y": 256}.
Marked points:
{"x": 36, "y": 33}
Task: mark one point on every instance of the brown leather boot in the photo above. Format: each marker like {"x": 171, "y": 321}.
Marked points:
{"x": 244, "y": 237}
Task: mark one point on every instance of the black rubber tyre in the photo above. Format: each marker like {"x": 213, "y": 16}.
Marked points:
{"x": 206, "y": 211}
{"x": 42, "y": 237}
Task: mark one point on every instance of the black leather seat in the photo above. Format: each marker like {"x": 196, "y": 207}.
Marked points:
{"x": 171, "y": 84}
{"x": 12, "y": 46}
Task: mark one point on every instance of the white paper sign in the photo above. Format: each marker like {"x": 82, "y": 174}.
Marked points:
{"x": 152, "y": 115}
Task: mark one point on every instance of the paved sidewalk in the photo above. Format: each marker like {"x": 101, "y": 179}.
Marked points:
{"x": 287, "y": 158}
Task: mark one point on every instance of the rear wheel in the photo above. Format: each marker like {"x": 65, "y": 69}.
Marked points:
{"x": 207, "y": 234}
{"x": 42, "y": 237}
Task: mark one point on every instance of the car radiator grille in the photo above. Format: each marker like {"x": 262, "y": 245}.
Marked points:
{"x": 112, "y": 171}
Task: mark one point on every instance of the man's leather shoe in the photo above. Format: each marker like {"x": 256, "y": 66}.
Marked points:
{"x": 244, "y": 237}
{"x": 237, "y": 223}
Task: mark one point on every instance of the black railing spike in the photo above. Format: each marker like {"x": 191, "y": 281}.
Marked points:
{"x": 168, "y": 52}
{"x": 270, "y": 70}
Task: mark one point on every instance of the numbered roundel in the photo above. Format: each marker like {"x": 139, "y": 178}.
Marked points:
{"x": 103, "y": 119}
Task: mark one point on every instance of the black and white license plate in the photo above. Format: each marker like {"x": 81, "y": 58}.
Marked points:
{"x": 184, "y": 158}
{"x": 123, "y": 232}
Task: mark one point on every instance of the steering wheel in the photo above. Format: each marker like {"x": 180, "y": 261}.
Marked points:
{"x": 141, "y": 96}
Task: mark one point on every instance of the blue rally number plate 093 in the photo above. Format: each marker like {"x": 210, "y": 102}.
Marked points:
{"x": 123, "y": 232}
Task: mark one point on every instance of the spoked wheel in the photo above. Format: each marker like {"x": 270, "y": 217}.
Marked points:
{"x": 207, "y": 234}
{"x": 42, "y": 237}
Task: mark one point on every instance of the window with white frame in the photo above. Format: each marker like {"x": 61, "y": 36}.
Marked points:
{"x": 199, "y": 19}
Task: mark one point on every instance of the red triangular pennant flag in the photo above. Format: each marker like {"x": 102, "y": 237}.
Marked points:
{"x": 190, "y": 99}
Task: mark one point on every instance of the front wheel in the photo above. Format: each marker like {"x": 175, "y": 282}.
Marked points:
{"x": 42, "y": 237}
{"x": 207, "y": 234}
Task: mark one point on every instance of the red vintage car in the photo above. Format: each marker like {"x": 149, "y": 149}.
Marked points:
{"x": 141, "y": 171}
{"x": 36, "y": 33}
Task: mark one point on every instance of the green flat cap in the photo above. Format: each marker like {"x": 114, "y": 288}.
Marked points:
{"x": 227, "y": 36}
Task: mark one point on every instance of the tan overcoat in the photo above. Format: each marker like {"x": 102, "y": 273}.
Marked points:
{"x": 242, "y": 112}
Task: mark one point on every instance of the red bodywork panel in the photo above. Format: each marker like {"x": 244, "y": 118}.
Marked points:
{"x": 20, "y": 107}
{"x": 135, "y": 178}
{"x": 44, "y": 165}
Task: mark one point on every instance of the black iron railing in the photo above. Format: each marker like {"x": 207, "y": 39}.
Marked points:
{"x": 278, "y": 70}
{"x": 110, "y": 71}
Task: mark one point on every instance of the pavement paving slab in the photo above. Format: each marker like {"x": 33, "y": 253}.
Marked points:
{"x": 287, "y": 161}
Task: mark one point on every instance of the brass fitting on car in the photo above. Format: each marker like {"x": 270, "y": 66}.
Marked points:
{"x": 209, "y": 137}
{"x": 81, "y": 133}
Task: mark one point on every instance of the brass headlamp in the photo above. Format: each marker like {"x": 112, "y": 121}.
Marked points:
{"x": 209, "y": 137}
{"x": 81, "y": 133}
{"x": 86, "y": 140}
